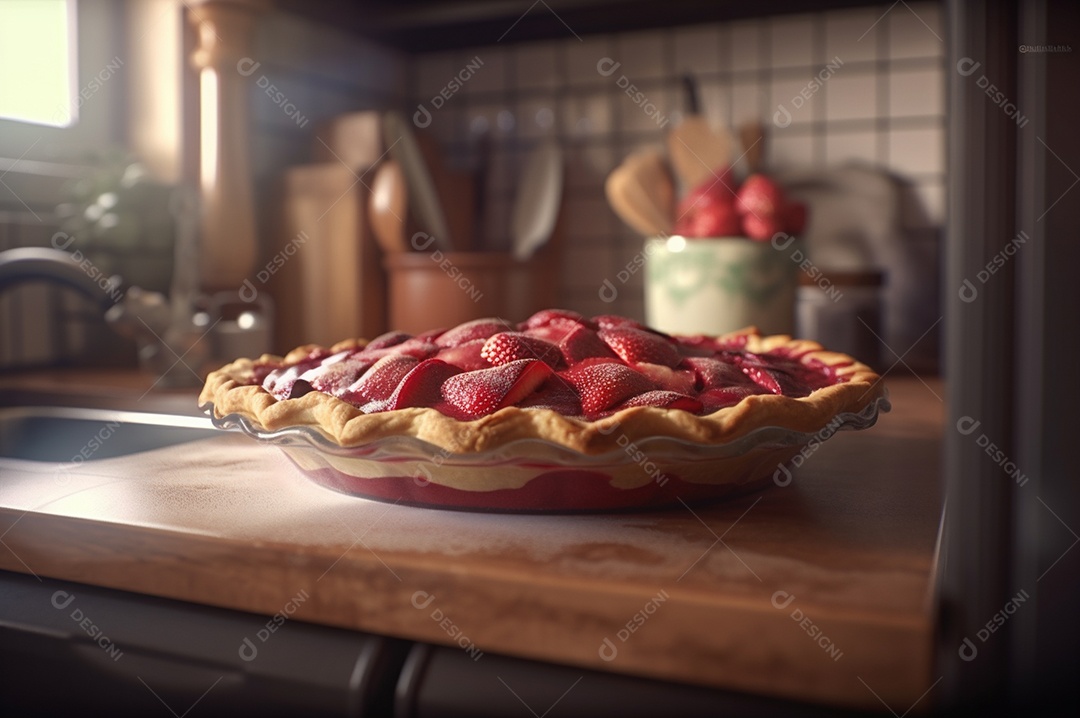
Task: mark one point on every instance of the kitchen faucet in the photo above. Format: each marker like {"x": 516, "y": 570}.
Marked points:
{"x": 169, "y": 332}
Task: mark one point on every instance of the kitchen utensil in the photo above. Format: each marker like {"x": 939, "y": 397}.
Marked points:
{"x": 325, "y": 261}
{"x": 697, "y": 152}
{"x": 752, "y": 135}
{"x": 538, "y": 199}
{"x": 642, "y": 193}
{"x": 388, "y": 207}
{"x": 424, "y": 199}
{"x": 455, "y": 190}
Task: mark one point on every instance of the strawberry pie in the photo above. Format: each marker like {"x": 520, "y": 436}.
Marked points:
{"x": 590, "y": 385}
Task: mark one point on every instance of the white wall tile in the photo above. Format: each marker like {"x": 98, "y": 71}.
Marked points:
{"x": 790, "y": 149}
{"x": 699, "y": 49}
{"x": 588, "y": 165}
{"x": 491, "y": 75}
{"x": 844, "y": 147}
{"x": 851, "y": 35}
{"x": 538, "y": 117}
{"x": 642, "y": 55}
{"x": 581, "y": 59}
{"x": 851, "y": 95}
{"x": 647, "y": 112}
{"x": 915, "y": 31}
{"x": 431, "y": 72}
{"x": 916, "y": 93}
{"x": 715, "y": 99}
{"x": 586, "y": 115}
{"x": 745, "y": 39}
{"x": 917, "y": 152}
{"x": 535, "y": 66}
{"x": 789, "y": 93}
{"x": 287, "y": 111}
{"x": 792, "y": 41}
{"x": 745, "y": 102}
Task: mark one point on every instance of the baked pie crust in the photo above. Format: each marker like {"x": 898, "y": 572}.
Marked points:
{"x": 850, "y": 386}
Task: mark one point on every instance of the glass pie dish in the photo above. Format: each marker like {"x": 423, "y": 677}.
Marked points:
{"x": 534, "y": 475}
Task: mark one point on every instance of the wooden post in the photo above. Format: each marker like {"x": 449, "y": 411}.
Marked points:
{"x": 227, "y": 246}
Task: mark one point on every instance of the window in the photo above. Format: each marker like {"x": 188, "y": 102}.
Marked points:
{"x": 38, "y": 62}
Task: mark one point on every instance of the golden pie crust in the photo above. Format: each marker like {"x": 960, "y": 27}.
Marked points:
{"x": 230, "y": 390}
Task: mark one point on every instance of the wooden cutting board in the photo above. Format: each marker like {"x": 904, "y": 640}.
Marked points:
{"x": 324, "y": 272}
{"x": 817, "y": 591}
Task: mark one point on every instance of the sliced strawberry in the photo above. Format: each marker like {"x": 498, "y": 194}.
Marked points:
{"x": 677, "y": 380}
{"x": 280, "y": 382}
{"x": 614, "y": 321}
{"x": 476, "y": 329}
{"x": 389, "y": 339}
{"x": 635, "y": 345}
{"x": 549, "y": 316}
{"x": 780, "y": 375}
{"x": 417, "y": 348}
{"x": 603, "y": 385}
{"x": 431, "y": 334}
{"x": 478, "y": 393}
{"x": 764, "y": 378}
{"x": 371, "y": 391}
{"x": 716, "y": 374}
{"x": 663, "y": 399}
{"x": 714, "y": 399}
{"x": 554, "y": 394}
{"x": 583, "y": 343}
{"x": 338, "y": 372}
{"x": 506, "y": 347}
{"x": 422, "y": 385}
{"x": 465, "y": 356}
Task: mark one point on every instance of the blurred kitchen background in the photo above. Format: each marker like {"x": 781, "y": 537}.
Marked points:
{"x": 871, "y": 133}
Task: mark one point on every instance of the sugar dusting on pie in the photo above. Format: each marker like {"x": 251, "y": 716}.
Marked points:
{"x": 558, "y": 376}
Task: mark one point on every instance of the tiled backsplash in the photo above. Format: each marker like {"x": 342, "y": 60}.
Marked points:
{"x": 880, "y": 101}
{"x": 862, "y": 85}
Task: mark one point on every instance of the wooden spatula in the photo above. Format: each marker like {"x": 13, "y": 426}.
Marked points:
{"x": 697, "y": 152}
{"x": 642, "y": 193}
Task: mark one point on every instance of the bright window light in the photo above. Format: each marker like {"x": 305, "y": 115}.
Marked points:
{"x": 37, "y": 61}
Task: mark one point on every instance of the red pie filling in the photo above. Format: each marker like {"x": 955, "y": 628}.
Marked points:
{"x": 556, "y": 359}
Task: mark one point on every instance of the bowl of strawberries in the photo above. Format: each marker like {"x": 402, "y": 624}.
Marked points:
{"x": 729, "y": 262}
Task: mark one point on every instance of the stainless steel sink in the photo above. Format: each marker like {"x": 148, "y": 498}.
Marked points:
{"x": 69, "y": 434}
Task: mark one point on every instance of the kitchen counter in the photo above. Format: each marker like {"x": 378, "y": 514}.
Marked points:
{"x": 821, "y": 590}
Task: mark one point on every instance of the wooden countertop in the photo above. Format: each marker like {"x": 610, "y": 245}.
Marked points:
{"x": 821, "y": 590}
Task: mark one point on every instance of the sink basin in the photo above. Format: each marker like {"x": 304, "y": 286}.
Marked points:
{"x": 69, "y": 434}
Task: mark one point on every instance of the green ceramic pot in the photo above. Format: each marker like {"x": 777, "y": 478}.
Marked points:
{"x": 718, "y": 285}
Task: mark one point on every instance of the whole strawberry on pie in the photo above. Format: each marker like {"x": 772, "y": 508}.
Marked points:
{"x": 586, "y": 384}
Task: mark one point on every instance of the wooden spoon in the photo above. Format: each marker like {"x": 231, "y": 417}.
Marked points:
{"x": 388, "y": 206}
{"x": 642, "y": 193}
{"x": 696, "y": 151}
{"x": 752, "y": 134}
